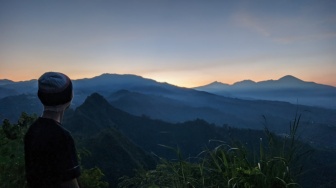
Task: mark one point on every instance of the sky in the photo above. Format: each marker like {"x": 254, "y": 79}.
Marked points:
{"x": 187, "y": 43}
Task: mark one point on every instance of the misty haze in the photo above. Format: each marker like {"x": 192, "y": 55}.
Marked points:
{"x": 147, "y": 114}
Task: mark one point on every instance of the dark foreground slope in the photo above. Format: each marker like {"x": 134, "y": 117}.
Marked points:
{"x": 115, "y": 154}
{"x": 96, "y": 114}
{"x": 101, "y": 145}
{"x": 100, "y": 128}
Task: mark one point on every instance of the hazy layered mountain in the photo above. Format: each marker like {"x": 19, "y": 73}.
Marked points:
{"x": 104, "y": 84}
{"x": 163, "y": 108}
{"x": 5, "y": 81}
{"x": 96, "y": 114}
{"x": 220, "y": 110}
{"x": 108, "y": 129}
{"x": 140, "y": 96}
{"x": 140, "y": 105}
{"x": 22, "y": 87}
{"x": 318, "y": 125}
{"x": 287, "y": 88}
{"x": 11, "y": 107}
{"x": 4, "y": 92}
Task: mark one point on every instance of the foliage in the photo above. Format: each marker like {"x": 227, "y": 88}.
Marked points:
{"x": 114, "y": 154}
{"x": 12, "y": 166}
{"x": 227, "y": 166}
{"x": 92, "y": 178}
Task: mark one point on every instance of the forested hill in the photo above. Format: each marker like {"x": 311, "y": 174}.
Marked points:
{"x": 119, "y": 141}
{"x": 108, "y": 149}
{"x": 96, "y": 114}
{"x": 100, "y": 128}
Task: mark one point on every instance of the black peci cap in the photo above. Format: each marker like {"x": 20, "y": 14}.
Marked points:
{"x": 54, "y": 89}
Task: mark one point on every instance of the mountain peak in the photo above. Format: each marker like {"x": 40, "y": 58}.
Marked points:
{"x": 95, "y": 101}
{"x": 91, "y": 115}
{"x": 216, "y": 83}
{"x": 289, "y": 78}
{"x": 110, "y": 75}
{"x": 245, "y": 83}
{"x": 96, "y": 98}
{"x": 213, "y": 85}
{"x": 5, "y": 81}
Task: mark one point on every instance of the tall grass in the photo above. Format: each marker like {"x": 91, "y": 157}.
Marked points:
{"x": 229, "y": 166}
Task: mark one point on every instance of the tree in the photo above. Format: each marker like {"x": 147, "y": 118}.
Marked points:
{"x": 12, "y": 164}
{"x": 12, "y": 167}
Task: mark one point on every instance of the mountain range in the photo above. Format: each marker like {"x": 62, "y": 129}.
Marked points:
{"x": 288, "y": 89}
{"x": 162, "y": 101}
{"x": 121, "y": 119}
{"x": 119, "y": 141}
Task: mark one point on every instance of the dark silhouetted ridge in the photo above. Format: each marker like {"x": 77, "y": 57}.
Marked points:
{"x": 95, "y": 114}
{"x": 5, "y": 81}
{"x": 244, "y": 83}
{"x": 289, "y": 78}
{"x": 96, "y": 123}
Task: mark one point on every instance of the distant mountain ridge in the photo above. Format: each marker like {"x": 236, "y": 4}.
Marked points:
{"x": 288, "y": 89}
{"x": 5, "y": 81}
{"x": 284, "y": 81}
{"x": 142, "y": 96}
{"x": 145, "y": 97}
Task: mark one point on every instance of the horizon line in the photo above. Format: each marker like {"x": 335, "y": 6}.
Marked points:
{"x": 82, "y": 78}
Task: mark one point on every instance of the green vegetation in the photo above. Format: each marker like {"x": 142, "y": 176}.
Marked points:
{"x": 12, "y": 167}
{"x": 92, "y": 178}
{"x": 227, "y": 166}
{"x": 243, "y": 158}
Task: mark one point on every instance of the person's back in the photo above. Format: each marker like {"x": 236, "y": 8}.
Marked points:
{"x": 50, "y": 153}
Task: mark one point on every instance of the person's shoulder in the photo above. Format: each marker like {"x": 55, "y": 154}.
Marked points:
{"x": 48, "y": 127}
{"x": 32, "y": 128}
{"x": 42, "y": 123}
{"x": 65, "y": 131}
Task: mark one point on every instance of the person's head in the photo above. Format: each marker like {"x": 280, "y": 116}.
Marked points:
{"x": 55, "y": 91}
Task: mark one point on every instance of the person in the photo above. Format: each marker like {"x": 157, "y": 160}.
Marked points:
{"x": 50, "y": 153}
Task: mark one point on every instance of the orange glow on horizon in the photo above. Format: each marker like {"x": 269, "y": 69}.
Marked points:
{"x": 181, "y": 81}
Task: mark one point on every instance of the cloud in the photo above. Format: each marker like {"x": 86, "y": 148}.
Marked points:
{"x": 287, "y": 29}
{"x": 250, "y": 22}
{"x": 311, "y": 37}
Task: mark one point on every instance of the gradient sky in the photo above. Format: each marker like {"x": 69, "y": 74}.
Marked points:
{"x": 182, "y": 42}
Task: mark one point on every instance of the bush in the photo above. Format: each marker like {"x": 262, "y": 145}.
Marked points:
{"x": 12, "y": 165}
{"x": 227, "y": 166}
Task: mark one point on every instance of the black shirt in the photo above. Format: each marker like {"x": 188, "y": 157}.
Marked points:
{"x": 50, "y": 154}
